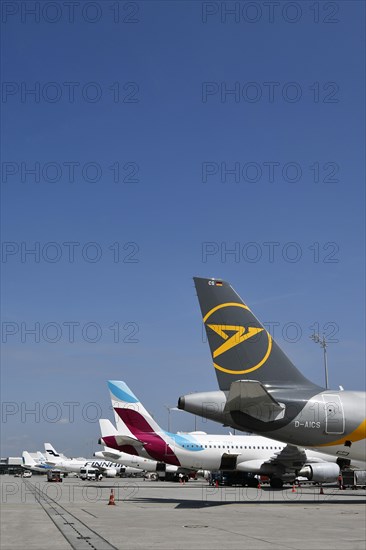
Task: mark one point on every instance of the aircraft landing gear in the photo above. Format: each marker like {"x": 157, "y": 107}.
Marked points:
{"x": 252, "y": 482}
{"x": 276, "y": 483}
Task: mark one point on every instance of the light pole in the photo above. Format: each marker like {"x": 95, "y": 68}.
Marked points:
{"x": 170, "y": 409}
{"x": 322, "y": 341}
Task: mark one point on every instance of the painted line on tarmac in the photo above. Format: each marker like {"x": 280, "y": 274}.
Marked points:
{"x": 90, "y": 514}
{"x": 76, "y": 532}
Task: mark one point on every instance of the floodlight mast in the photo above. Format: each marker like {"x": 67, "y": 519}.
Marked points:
{"x": 322, "y": 341}
{"x": 170, "y": 409}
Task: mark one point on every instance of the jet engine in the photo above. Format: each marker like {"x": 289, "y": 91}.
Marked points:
{"x": 322, "y": 472}
{"x": 110, "y": 472}
{"x": 204, "y": 473}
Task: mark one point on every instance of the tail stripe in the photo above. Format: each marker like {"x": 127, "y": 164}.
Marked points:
{"x": 154, "y": 444}
{"x": 221, "y": 306}
{"x": 122, "y": 392}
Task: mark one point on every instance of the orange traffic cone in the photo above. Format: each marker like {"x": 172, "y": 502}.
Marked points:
{"x": 111, "y": 499}
{"x": 321, "y": 492}
{"x": 293, "y": 488}
{"x": 217, "y": 483}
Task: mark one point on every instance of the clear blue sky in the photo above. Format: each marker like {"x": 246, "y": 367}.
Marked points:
{"x": 147, "y": 95}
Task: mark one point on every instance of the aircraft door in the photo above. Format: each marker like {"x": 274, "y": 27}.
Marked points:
{"x": 334, "y": 414}
{"x": 228, "y": 462}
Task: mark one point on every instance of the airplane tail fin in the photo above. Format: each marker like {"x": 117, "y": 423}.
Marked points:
{"x": 241, "y": 347}
{"x": 121, "y": 439}
{"x": 41, "y": 457}
{"x": 28, "y": 460}
{"x": 52, "y": 454}
{"x": 146, "y": 434}
{"x": 106, "y": 427}
{"x": 132, "y": 415}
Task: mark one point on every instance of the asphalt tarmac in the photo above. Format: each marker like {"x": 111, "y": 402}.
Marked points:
{"x": 163, "y": 515}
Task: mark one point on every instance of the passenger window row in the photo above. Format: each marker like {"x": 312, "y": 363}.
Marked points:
{"x": 231, "y": 446}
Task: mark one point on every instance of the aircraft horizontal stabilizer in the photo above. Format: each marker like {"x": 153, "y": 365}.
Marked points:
{"x": 127, "y": 440}
{"x": 111, "y": 454}
{"x": 108, "y": 430}
{"x": 251, "y": 397}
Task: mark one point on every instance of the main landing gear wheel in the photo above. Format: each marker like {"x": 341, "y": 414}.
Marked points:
{"x": 276, "y": 483}
{"x": 253, "y": 482}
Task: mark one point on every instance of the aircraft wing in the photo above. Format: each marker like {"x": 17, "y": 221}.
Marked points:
{"x": 291, "y": 458}
{"x": 252, "y": 398}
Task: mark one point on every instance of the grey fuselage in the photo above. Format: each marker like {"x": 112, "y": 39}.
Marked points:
{"x": 332, "y": 421}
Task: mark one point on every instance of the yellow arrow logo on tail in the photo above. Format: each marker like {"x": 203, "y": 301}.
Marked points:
{"x": 240, "y": 335}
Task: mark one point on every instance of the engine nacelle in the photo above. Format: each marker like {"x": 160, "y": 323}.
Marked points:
{"x": 170, "y": 468}
{"x": 110, "y": 472}
{"x": 203, "y": 473}
{"x": 322, "y": 472}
